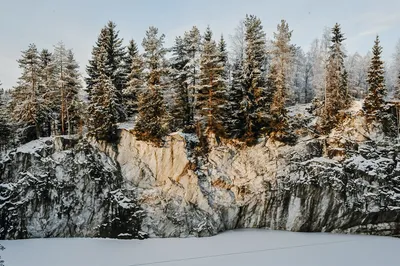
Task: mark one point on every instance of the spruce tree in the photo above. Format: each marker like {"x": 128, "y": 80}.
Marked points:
{"x": 374, "y": 100}
{"x": 253, "y": 78}
{"x": 27, "y": 102}
{"x": 278, "y": 81}
{"x": 336, "y": 91}
{"x": 103, "y": 105}
{"x": 235, "y": 115}
{"x": 192, "y": 43}
{"x": 181, "y": 110}
{"x": 115, "y": 66}
{"x": 151, "y": 122}
{"x": 92, "y": 69}
{"x": 210, "y": 97}
{"x": 5, "y": 129}
{"x": 135, "y": 79}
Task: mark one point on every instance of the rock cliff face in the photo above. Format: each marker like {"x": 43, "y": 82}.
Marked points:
{"x": 348, "y": 182}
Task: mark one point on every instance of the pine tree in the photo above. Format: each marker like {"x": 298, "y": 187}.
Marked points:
{"x": 151, "y": 121}
{"x": 60, "y": 62}
{"x": 181, "y": 110}
{"x": 210, "y": 98}
{"x": 255, "y": 103}
{"x": 103, "y": 105}
{"x": 27, "y": 102}
{"x": 192, "y": 43}
{"x": 374, "y": 101}
{"x": 48, "y": 90}
{"x": 283, "y": 54}
{"x": 73, "y": 86}
{"x": 135, "y": 79}
{"x": 336, "y": 91}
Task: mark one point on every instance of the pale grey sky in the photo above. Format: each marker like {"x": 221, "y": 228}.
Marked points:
{"x": 77, "y": 23}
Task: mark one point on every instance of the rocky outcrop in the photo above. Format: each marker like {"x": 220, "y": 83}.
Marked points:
{"x": 347, "y": 182}
{"x": 61, "y": 188}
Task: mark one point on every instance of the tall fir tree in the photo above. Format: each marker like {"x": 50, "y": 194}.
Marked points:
{"x": 181, "y": 110}
{"x": 210, "y": 97}
{"x": 60, "y": 63}
{"x": 73, "y": 86}
{"x": 374, "y": 100}
{"x": 115, "y": 64}
{"x": 5, "y": 128}
{"x": 192, "y": 43}
{"x": 151, "y": 124}
{"x": 48, "y": 90}
{"x": 103, "y": 105}
{"x": 235, "y": 114}
{"x": 337, "y": 97}
{"x": 282, "y": 58}
{"x": 135, "y": 80}
{"x": 92, "y": 69}
{"x": 27, "y": 103}
{"x": 253, "y": 78}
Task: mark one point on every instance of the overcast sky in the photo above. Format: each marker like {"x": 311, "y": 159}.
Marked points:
{"x": 77, "y": 23}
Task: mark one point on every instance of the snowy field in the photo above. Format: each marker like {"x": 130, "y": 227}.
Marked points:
{"x": 242, "y": 247}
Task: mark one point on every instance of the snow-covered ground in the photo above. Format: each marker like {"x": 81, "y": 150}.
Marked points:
{"x": 241, "y": 247}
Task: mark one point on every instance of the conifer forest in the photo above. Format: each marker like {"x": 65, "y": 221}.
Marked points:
{"x": 199, "y": 85}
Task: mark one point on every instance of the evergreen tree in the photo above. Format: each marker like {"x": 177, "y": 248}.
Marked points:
{"x": 192, "y": 43}
{"x": 210, "y": 98}
{"x": 66, "y": 72}
{"x": 181, "y": 110}
{"x": 223, "y": 58}
{"x": 27, "y": 102}
{"x": 115, "y": 66}
{"x": 60, "y": 63}
{"x": 283, "y": 54}
{"x": 374, "y": 101}
{"x": 73, "y": 86}
{"x": 5, "y": 129}
{"x": 336, "y": 91}
{"x": 255, "y": 103}
{"x": 235, "y": 115}
{"x": 103, "y": 105}
{"x": 48, "y": 90}
{"x": 151, "y": 121}
{"x": 397, "y": 88}
{"x": 135, "y": 79}
{"x": 92, "y": 69}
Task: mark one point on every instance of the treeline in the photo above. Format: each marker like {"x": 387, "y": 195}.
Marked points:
{"x": 46, "y": 97}
{"x": 196, "y": 86}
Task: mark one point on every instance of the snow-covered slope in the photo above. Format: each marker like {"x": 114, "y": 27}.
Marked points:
{"x": 348, "y": 181}
{"x": 237, "y": 248}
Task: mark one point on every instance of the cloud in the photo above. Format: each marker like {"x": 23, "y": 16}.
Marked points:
{"x": 376, "y": 23}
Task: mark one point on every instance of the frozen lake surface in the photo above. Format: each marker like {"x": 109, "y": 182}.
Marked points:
{"x": 241, "y": 247}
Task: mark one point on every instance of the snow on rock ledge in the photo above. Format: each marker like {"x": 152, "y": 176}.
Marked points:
{"x": 62, "y": 187}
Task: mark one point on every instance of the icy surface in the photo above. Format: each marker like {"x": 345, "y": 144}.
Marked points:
{"x": 242, "y": 247}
